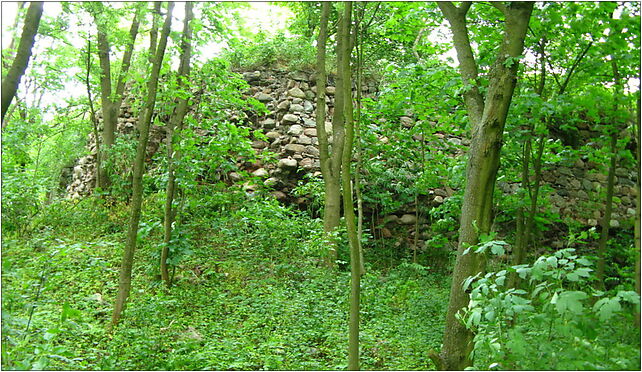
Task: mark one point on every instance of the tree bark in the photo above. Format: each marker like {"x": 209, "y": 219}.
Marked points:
{"x": 92, "y": 112}
{"x": 344, "y": 49}
{"x": 610, "y": 183}
{"x": 109, "y": 123}
{"x": 328, "y": 159}
{"x": 111, "y": 103}
{"x": 467, "y": 66}
{"x": 176, "y": 122}
{"x": 483, "y": 161}
{"x": 637, "y": 215}
{"x": 127, "y": 57}
{"x": 359, "y": 30}
{"x": 153, "y": 33}
{"x": 144, "y": 121}
{"x": 11, "y": 82}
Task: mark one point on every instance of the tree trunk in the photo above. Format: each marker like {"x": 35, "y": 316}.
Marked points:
{"x": 329, "y": 160}
{"x": 176, "y": 121}
{"x": 153, "y": 33}
{"x": 144, "y": 121}
{"x": 637, "y": 215}
{"x": 610, "y": 183}
{"x": 92, "y": 112}
{"x": 11, "y": 82}
{"x": 483, "y": 161}
{"x": 109, "y": 122}
{"x": 111, "y": 103}
{"x": 344, "y": 49}
{"x": 357, "y": 136}
{"x": 127, "y": 57}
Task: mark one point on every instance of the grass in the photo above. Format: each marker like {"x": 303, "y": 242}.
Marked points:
{"x": 237, "y": 303}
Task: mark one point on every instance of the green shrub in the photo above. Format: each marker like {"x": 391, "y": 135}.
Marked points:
{"x": 557, "y": 322}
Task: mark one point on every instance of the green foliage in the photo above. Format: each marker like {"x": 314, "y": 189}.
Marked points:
{"x": 558, "y": 322}
{"x": 252, "y": 283}
{"x": 313, "y": 189}
{"x": 274, "y": 51}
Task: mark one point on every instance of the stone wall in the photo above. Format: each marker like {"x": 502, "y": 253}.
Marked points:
{"x": 290, "y": 129}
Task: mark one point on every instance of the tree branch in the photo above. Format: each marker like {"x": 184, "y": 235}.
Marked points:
{"x": 467, "y": 65}
{"x": 573, "y": 67}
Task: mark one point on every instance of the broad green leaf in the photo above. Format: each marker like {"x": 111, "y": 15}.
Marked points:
{"x": 607, "y": 307}
{"x": 570, "y": 301}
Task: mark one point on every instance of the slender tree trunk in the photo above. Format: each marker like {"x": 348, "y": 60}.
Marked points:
{"x": 106, "y": 102}
{"x": 610, "y": 183}
{"x": 357, "y": 134}
{"x": 144, "y": 121}
{"x": 176, "y": 122}
{"x": 329, "y": 160}
{"x": 111, "y": 102}
{"x": 92, "y": 112}
{"x": 637, "y": 215}
{"x": 11, "y": 81}
{"x": 344, "y": 48}
{"x": 153, "y": 33}
{"x": 127, "y": 57}
{"x": 483, "y": 161}
{"x": 608, "y": 209}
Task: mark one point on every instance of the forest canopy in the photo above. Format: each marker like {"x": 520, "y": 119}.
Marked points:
{"x": 320, "y": 185}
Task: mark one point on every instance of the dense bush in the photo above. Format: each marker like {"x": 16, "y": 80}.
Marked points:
{"x": 557, "y": 322}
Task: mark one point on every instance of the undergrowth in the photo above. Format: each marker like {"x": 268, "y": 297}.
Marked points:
{"x": 250, "y": 294}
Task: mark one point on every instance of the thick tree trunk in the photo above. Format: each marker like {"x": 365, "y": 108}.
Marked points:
{"x": 144, "y": 121}
{"x": 176, "y": 122}
{"x": 483, "y": 162}
{"x": 11, "y": 82}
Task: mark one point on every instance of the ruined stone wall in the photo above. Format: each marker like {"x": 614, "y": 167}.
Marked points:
{"x": 290, "y": 129}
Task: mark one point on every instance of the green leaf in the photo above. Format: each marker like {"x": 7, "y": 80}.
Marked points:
{"x": 607, "y": 307}
{"x": 490, "y": 315}
{"x": 552, "y": 261}
{"x": 629, "y": 296}
{"x": 497, "y": 249}
{"x": 573, "y": 277}
{"x": 69, "y": 313}
{"x": 583, "y": 272}
{"x": 570, "y": 301}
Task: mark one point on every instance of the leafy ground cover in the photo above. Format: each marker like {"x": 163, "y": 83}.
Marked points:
{"x": 246, "y": 296}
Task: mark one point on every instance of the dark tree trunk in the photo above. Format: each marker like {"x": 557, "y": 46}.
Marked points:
{"x": 11, "y": 82}
{"x": 144, "y": 122}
